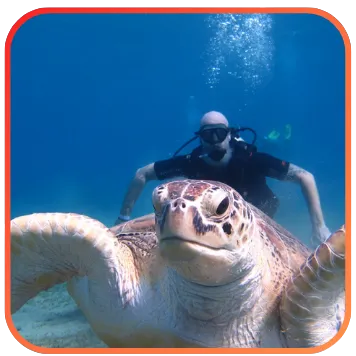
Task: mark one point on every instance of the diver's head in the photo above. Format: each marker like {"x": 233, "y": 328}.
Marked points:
{"x": 213, "y": 118}
{"x": 214, "y": 134}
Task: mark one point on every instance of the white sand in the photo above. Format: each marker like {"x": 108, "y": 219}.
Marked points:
{"x": 52, "y": 319}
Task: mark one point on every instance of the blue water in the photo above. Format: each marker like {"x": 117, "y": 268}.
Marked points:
{"x": 95, "y": 97}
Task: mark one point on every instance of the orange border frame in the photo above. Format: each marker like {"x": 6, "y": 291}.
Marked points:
{"x": 313, "y": 11}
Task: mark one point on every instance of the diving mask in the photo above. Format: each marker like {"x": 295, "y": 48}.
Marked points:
{"x": 213, "y": 134}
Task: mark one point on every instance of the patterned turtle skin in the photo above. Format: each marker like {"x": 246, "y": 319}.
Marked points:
{"x": 207, "y": 269}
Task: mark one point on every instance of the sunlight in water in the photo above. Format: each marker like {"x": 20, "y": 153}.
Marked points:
{"x": 240, "y": 46}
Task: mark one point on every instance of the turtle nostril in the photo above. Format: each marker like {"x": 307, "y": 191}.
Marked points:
{"x": 180, "y": 203}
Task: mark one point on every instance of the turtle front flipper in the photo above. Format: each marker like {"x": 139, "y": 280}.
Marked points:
{"x": 313, "y": 302}
{"x": 52, "y": 248}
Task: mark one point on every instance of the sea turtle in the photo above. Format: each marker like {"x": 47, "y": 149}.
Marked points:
{"x": 207, "y": 269}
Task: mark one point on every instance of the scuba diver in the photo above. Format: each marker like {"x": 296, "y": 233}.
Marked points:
{"x": 277, "y": 143}
{"x": 224, "y": 156}
{"x": 275, "y": 136}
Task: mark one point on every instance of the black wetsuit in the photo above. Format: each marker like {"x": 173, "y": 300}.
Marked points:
{"x": 246, "y": 173}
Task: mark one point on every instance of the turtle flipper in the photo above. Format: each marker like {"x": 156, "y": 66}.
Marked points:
{"x": 313, "y": 302}
{"x": 51, "y": 248}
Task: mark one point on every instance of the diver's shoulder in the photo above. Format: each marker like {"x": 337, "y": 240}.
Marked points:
{"x": 193, "y": 154}
{"x": 239, "y": 145}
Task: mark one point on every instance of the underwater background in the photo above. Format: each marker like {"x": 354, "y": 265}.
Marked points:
{"x": 95, "y": 97}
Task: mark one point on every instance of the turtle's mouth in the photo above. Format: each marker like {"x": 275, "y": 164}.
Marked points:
{"x": 178, "y": 239}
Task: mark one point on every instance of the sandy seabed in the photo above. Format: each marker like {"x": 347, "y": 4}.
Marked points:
{"x": 52, "y": 319}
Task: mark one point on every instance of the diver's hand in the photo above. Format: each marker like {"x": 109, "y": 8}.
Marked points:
{"x": 320, "y": 234}
{"x": 121, "y": 219}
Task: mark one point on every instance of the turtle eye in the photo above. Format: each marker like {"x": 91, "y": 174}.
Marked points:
{"x": 222, "y": 207}
{"x": 215, "y": 202}
{"x": 157, "y": 207}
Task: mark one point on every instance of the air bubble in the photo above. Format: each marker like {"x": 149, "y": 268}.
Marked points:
{"x": 240, "y": 43}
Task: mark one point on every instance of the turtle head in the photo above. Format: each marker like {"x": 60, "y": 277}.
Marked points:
{"x": 205, "y": 230}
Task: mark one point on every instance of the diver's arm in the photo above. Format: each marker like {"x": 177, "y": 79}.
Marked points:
{"x": 159, "y": 170}
{"x": 310, "y": 191}
{"x": 142, "y": 176}
{"x": 282, "y": 170}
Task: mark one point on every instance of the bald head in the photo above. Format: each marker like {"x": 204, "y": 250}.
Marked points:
{"x": 213, "y": 118}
